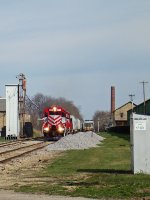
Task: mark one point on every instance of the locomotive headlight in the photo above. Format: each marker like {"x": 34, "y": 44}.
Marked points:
{"x": 60, "y": 129}
{"x": 54, "y": 109}
{"x": 46, "y": 129}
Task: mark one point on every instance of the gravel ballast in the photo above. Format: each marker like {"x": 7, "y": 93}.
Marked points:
{"x": 81, "y": 140}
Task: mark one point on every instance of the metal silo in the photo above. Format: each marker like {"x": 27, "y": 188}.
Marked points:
{"x": 12, "y": 113}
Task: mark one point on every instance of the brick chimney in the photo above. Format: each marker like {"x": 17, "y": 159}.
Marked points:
{"x": 112, "y": 99}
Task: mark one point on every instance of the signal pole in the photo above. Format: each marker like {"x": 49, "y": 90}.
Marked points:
{"x": 143, "y": 83}
{"x": 131, "y": 98}
{"x": 21, "y": 100}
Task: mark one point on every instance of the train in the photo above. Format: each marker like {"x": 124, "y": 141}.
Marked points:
{"x": 57, "y": 122}
{"x": 88, "y": 125}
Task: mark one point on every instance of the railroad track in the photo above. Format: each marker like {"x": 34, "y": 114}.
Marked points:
{"x": 5, "y": 144}
{"x": 12, "y": 142}
{"x": 8, "y": 155}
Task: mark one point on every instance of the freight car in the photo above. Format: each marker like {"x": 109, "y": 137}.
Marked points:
{"x": 88, "y": 125}
{"x": 57, "y": 122}
{"x": 76, "y": 124}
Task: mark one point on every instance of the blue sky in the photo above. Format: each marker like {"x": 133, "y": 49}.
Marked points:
{"x": 77, "y": 49}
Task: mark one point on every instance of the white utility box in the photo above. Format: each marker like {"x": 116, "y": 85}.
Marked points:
{"x": 140, "y": 143}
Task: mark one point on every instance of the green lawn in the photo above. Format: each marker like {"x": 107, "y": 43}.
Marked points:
{"x": 101, "y": 172}
{"x": 2, "y": 139}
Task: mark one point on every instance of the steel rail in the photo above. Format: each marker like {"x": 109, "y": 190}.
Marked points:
{"x": 19, "y": 148}
{"x": 9, "y": 143}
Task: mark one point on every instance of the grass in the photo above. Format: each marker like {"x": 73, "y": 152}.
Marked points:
{"x": 102, "y": 172}
{"x": 36, "y": 133}
{"x": 2, "y": 139}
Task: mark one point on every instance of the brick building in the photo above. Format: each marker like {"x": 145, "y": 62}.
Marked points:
{"x": 120, "y": 115}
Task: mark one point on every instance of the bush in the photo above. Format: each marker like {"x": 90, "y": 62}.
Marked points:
{"x": 28, "y": 129}
{"x": 119, "y": 129}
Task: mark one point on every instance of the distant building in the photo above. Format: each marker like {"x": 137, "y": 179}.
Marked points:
{"x": 120, "y": 115}
{"x": 2, "y": 112}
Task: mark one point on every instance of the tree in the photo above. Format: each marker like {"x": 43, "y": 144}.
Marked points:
{"x": 101, "y": 119}
{"x": 36, "y": 105}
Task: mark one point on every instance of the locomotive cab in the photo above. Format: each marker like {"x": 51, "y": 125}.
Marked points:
{"x": 56, "y": 123}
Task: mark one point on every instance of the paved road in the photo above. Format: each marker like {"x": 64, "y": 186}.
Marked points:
{"x": 10, "y": 195}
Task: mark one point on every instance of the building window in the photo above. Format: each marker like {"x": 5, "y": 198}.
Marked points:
{"x": 121, "y": 115}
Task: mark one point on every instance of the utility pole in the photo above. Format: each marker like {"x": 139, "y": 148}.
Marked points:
{"x": 143, "y": 83}
{"x": 131, "y": 98}
{"x": 98, "y": 125}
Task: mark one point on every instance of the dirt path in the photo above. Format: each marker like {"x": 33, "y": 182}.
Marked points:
{"x": 10, "y": 195}
{"x": 18, "y": 171}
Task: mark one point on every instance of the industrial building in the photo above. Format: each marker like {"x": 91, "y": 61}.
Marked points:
{"x": 142, "y": 109}
{"x": 120, "y": 114}
{"x": 3, "y": 117}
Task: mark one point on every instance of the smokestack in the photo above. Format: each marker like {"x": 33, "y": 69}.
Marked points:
{"x": 112, "y": 99}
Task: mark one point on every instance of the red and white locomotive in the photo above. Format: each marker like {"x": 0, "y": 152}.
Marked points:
{"x": 56, "y": 122}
